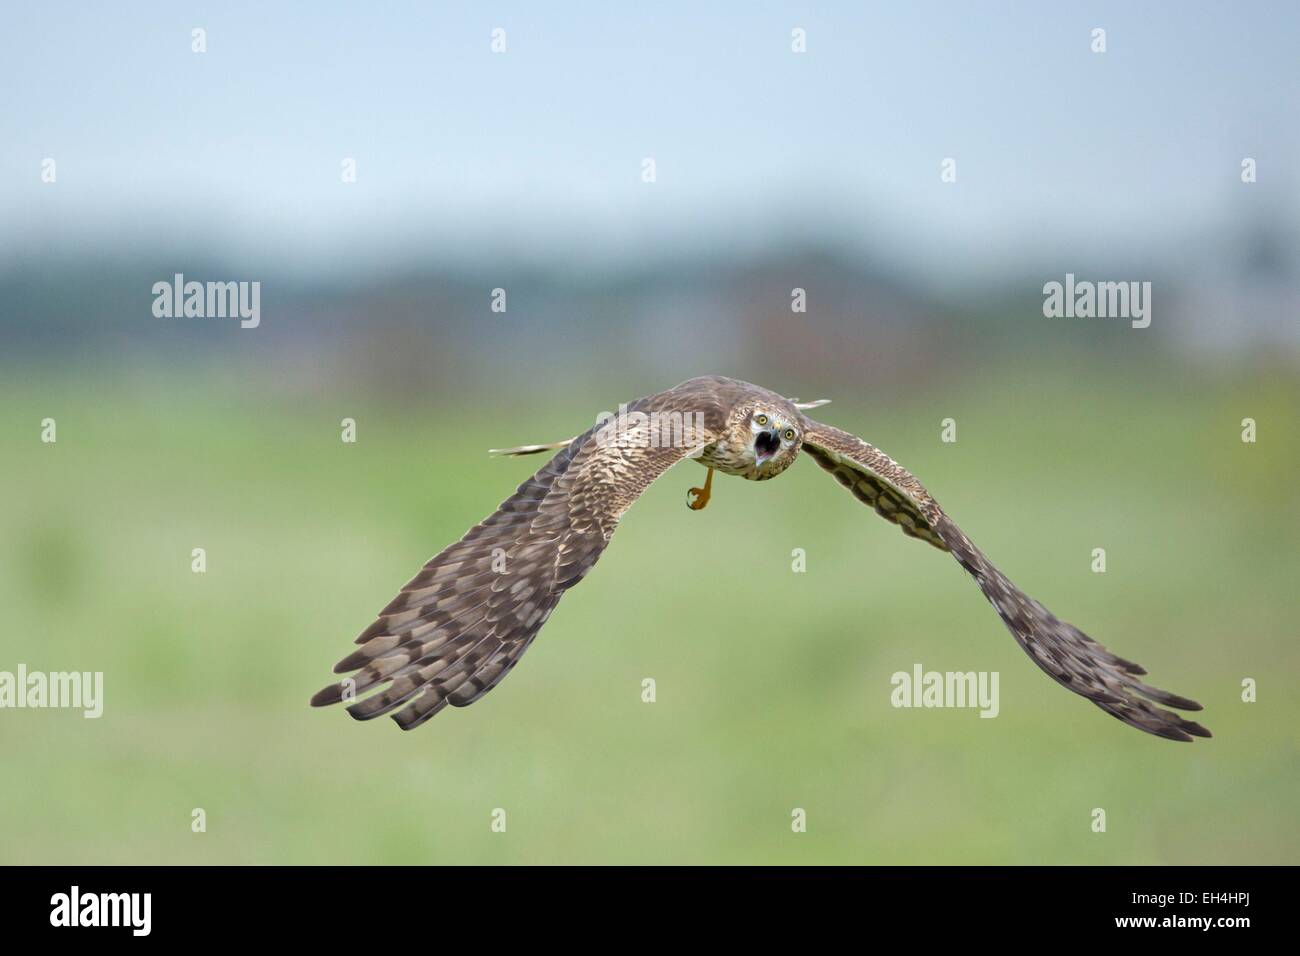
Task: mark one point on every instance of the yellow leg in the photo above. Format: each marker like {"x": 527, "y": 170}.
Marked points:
{"x": 700, "y": 495}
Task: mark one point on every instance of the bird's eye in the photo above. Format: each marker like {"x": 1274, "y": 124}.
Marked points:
{"x": 789, "y": 434}
{"x": 761, "y": 419}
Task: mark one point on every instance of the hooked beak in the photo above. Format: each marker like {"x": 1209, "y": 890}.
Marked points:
{"x": 766, "y": 444}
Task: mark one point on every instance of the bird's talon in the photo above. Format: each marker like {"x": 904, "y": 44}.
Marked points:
{"x": 697, "y": 498}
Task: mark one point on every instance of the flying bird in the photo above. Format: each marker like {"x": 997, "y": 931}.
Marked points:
{"x": 459, "y": 626}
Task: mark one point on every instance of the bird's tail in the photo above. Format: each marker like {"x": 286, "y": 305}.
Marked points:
{"x": 529, "y": 449}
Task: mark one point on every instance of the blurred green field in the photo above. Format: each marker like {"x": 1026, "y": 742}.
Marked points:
{"x": 773, "y": 687}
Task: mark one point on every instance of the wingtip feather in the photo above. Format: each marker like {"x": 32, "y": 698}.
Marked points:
{"x": 327, "y": 695}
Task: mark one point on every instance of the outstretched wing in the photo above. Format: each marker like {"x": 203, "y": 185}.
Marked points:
{"x": 1072, "y": 658}
{"x": 459, "y": 626}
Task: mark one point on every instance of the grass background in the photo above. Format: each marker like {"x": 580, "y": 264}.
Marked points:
{"x": 773, "y": 687}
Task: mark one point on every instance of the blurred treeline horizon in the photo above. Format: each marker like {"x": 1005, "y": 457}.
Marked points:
{"x": 870, "y": 315}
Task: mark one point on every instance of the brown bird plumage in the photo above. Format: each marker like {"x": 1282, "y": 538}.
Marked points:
{"x": 459, "y": 626}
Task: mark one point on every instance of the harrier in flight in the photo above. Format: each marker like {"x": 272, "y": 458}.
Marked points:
{"x": 459, "y": 626}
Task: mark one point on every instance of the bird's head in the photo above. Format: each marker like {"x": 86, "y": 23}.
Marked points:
{"x": 769, "y": 436}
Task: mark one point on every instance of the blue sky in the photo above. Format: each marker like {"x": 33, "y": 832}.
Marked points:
{"x": 537, "y": 152}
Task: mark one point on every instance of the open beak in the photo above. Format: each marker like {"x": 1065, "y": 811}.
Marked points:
{"x": 766, "y": 444}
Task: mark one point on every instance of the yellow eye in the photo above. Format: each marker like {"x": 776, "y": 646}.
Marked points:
{"x": 789, "y": 434}
{"x": 761, "y": 419}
